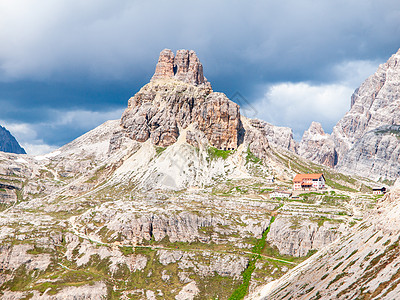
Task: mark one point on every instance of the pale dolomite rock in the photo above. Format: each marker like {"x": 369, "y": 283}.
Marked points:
{"x": 278, "y": 137}
{"x": 189, "y": 292}
{"x": 318, "y": 146}
{"x": 14, "y": 256}
{"x": 185, "y": 66}
{"x": 85, "y": 292}
{"x": 297, "y": 238}
{"x": 175, "y": 100}
{"x": 10, "y": 295}
{"x": 376, "y": 154}
{"x": 97, "y": 291}
{"x": 137, "y": 262}
{"x": 374, "y": 104}
{"x": 167, "y": 257}
{"x": 227, "y": 265}
{"x": 150, "y": 295}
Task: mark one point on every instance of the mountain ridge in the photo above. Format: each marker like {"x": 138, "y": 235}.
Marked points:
{"x": 8, "y": 143}
{"x": 373, "y": 105}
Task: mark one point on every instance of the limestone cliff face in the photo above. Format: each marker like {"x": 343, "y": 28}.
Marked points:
{"x": 357, "y": 144}
{"x": 299, "y": 239}
{"x": 281, "y": 137}
{"x": 185, "y": 66}
{"x": 376, "y": 154}
{"x": 178, "y": 96}
{"x": 375, "y": 103}
{"x": 318, "y": 146}
{"x": 219, "y": 119}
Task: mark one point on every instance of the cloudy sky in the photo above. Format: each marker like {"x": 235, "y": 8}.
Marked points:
{"x": 66, "y": 66}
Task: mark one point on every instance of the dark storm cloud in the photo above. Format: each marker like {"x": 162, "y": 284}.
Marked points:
{"x": 93, "y": 55}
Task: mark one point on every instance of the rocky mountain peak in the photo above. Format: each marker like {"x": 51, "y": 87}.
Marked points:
{"x": 373, "y": 104}
{"x": 177, "y": 97}
{"x": 8, "y": 143}
{"x": 184, "y": 66}
{"x": 315, "y": 131}
{"x": 318, "y": 146}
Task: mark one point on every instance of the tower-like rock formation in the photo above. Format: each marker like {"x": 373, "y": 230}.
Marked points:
{"x": 185, "y": 66}
{"x": 165, "y": 65}
{"x": 177, "y": 96}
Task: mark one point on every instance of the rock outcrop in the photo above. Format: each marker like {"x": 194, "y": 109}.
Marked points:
{"x": 219, "y": 119}
{"x": 189, "y": 292}
{"x": 318, "y": 146}
{"x": 375, "y": 103}
{"x": 278, "y": 137}
{"x": 376, "y": 154}
{"x": 8, "y": 143}
{"x": 177, "y": 96}
{"x": 298, "y": 239}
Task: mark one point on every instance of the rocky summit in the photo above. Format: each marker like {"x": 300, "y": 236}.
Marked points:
{"x": 8, "y": 143}
{"x": 185, "y": 198}
{"x": 316, "y": 145}
{"x": 177, "y": 97}
{"x": 185, "y": 66}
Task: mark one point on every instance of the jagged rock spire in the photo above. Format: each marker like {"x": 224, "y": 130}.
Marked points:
{"x": 184, "y": 66}
{"x": 179, "y": 96}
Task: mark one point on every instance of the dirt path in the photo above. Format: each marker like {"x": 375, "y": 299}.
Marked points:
{"x": 74, "y": 229}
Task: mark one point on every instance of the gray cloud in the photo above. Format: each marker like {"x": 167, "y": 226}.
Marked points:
{"x": 92, "y": 55}
{"x": 35, "y": 137}
{"x": 108, "y": 39}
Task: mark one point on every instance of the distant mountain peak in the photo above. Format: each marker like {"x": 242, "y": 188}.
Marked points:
{"x": 8, "y": 143}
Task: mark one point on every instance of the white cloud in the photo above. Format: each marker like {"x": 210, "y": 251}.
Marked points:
{"x": 39, "y": 149}
{"x": 20, "y": 130}
{"x": 26, "y": 136}
{"x": 298, "y": 104}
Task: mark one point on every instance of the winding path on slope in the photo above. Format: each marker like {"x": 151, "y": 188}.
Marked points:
{"x": 74, "y": 228}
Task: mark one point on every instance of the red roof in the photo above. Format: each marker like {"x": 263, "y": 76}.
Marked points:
{"x": 301, "y": 177}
